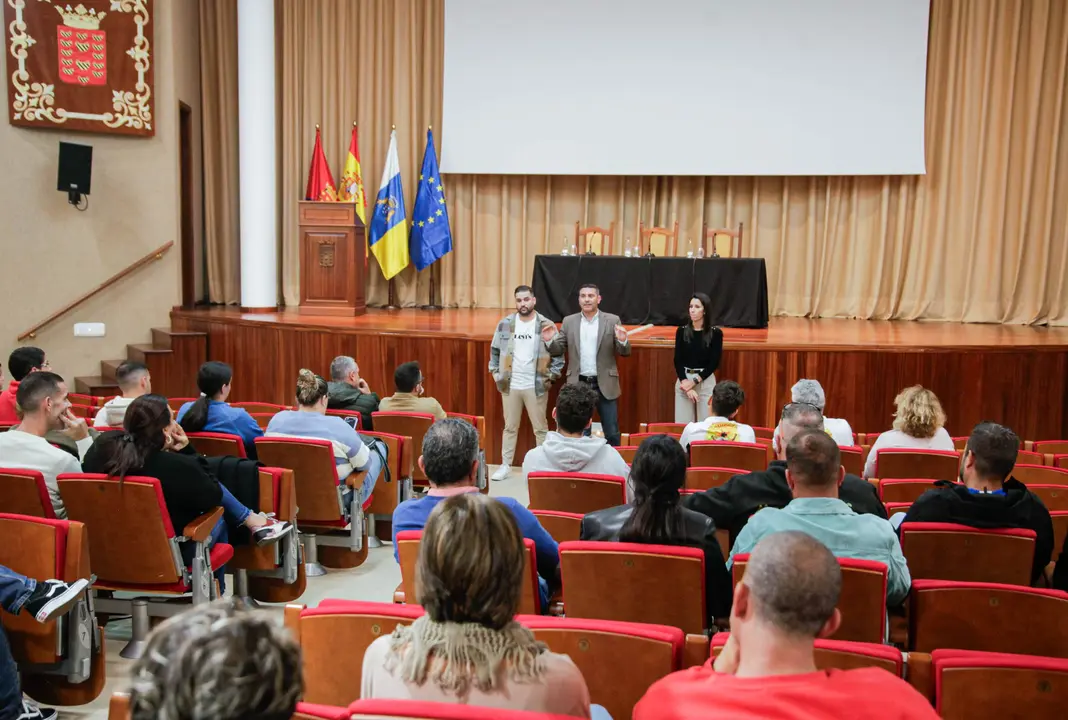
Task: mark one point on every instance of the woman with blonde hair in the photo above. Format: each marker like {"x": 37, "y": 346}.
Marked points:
{"x": 468, "y": 649}
{"x": 918, "y": 424}
{"x": 352, "y": 453}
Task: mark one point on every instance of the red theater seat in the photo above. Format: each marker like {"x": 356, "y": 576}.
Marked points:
{"x": 215, "y": 444}
{"x": 61, "y": 662}
{"x": 417, "y": 710}
{"x": 706, "y": 478}
{"x": 945, "y": 551}
{"x": 413, "y": 425}
{"x": 275, "y": 572}
{"x": 24, "y": 492}
{"x": 751, "y": 457}
{"x": 908, "y": 463}
{"x": 575, "y": 492}
{"x": 603, "y": 650}
{"x": 562, "y": 526}
{"x": 971, "y": 685}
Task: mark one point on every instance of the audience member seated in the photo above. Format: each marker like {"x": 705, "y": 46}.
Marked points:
{"x": 134, "y": 381}
{"x": 814, "y": 472}
{"x": 351, "y": 452}
{"x": 657, "y": 517}
{"x": 42, "y": 398}
{"x": 468, "y": 649}
{"x": 990, "y": 497}
{"x": 727, "y": 398}
{"x": 811, "y": 392}
{"x": 450, "y": 461}
{"x": 211, "y": 413}
{"x": 408, "y": 379}
{"x": 221, "y": 661}
{"x": 567, "y": 450}
{"x": 21, "y": 362}
{"x": 918, "y": 424}
{"x": 153, "y": 445}
{"x": 768, "y": 669}
{"x": 1060, "y": 570}
{"x": 45, "y": 600}
{"x": 732, "y": 504}
{"x": 349, "y": 391}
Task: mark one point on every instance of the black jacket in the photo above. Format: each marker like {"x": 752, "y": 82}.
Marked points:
{"x": 1017, "y": 508}
{"x": 188, "y": 488}
{"x": 343, "y": 396}
{"x": 698, "y": 531}
{"x": 732, "y": 504}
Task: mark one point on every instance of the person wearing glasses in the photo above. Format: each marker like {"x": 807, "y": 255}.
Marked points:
{"x": 731, "y": 504}
{"x": 410, "y": 395}
{"x": 698, "y": 347}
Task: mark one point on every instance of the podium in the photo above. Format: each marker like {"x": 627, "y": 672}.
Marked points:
{"x": 333, "y": 260}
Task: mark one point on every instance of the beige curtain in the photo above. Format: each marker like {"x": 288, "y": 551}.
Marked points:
{"x": 218, "y": 94}
{"x": 982, "y": 237}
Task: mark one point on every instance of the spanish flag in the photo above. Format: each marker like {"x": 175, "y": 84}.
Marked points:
{"x": 389, "y": 228}
{"x": 320, "y": 182}
{"x": 352, "y": 180}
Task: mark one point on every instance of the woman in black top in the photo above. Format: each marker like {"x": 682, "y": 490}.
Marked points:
{"x": 657, "y": 517}
{"x": 698, "y": 347}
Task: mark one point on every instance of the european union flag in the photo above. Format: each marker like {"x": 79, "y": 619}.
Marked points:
{"x": 431, "y": 237}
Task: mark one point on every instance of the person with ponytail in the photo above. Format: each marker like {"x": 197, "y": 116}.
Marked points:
{"x": 352, "y": 452}
{"x": 211, "y": 413}
{"x": 656, "y": 516}
{"x": 152, "y": 444}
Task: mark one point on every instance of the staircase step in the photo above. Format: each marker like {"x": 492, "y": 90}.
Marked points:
{"x": 109, "y": 367}
{"x": 96, "y": 385}
{"x": 163, "y": 337}
{"x": 143, "y": 352}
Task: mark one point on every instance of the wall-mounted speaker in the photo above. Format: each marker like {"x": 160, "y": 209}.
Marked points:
{"x": 75, "y": 170}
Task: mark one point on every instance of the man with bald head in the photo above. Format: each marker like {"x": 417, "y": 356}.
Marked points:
{"x": 730, "y": 505}
{"x": 787, "y": 599}
{"x": 814, "y": 473}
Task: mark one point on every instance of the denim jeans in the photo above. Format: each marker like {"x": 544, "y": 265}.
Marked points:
{"x": 234, "y": 512}
{"x": 10, "y": 692}
{"x": 608, "y": 412}
{"x": 14, "y": 589}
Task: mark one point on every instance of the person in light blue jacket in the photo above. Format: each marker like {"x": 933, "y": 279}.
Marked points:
{"x": 814, "y": 471}
{"x": 211, "y": 413}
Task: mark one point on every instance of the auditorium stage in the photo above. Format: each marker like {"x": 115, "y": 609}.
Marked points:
{"x": 1013, "y": 374}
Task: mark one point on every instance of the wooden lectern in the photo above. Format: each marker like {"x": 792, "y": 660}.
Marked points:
{"x": 333, "y": 259}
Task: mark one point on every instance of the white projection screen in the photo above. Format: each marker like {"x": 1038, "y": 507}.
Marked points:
{"x": 685, "y": 87}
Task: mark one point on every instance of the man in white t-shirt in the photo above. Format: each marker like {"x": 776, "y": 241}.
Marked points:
{"x": 811, "y": 393}
{"x": 523, "y": 370}
{"x": 727, "y": 398}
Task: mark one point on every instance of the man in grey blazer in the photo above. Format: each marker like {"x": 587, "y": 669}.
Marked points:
{"x": 592, "y": 339}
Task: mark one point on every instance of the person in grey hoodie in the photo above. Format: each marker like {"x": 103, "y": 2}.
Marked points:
{"x": 134, "y": 381}
{"x": 566, "y": 450}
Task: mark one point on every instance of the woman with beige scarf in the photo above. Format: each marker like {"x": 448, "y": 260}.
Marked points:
{"x": 467, "y": 648}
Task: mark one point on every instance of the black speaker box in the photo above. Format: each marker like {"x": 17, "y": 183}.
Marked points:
{"x": 75, "y": 167}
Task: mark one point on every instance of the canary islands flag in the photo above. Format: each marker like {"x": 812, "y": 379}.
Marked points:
{"x": 389, "y": 229}
{"x": 431, "y": 236}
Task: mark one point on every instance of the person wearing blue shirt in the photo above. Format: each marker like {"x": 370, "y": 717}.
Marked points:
{"x": 211, "y": 413}
{"x": 450, "y": 461}
{"x": 814, "y": 471}
{"x": 351, "y": 453}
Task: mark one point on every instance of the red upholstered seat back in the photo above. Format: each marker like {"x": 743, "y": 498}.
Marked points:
{"x": 706, "y": 478}
{"x": 413, "y": 425}
{"x": 999, "y": 685}
{"x": 24, "y": 492}
{"x": 751, "y": 457}
{"x": 910, "y": 463}
{"x": 314, "y": 473}
{"x": 562, "y": 526}
{"x": 1037, "y": 474}
{"x": 575, "y": 492}
{"x": 945, "y": 551}
{"x": 215, "y": 444}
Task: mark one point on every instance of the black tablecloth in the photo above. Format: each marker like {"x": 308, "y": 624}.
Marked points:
{"x": 655, "y": 290}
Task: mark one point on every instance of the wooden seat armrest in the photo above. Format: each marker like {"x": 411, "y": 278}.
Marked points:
{"x": 355, "y": 479}
{"x": 695, "y": 651}
{"x": 201, "y": 527}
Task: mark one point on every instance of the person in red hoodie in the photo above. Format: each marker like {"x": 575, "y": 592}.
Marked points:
{"x": 786, "y": 600}
{"x": 21, "y": 362}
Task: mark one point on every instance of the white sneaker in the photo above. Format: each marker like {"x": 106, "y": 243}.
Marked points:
{"x": 502, "y": 473}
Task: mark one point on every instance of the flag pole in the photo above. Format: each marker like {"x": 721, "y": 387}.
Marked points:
{"x": 431, "y": 305}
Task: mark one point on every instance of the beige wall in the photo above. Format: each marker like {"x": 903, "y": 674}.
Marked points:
{"x": 52, "y": 254}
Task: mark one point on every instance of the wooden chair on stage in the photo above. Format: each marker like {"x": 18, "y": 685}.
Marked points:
{"x": 724, "y": 241}
{"x": 660, "y": 241}
{"x": 597, "y": 240}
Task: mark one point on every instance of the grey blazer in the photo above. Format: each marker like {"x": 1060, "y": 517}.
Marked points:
{"x": 568, "y": 339}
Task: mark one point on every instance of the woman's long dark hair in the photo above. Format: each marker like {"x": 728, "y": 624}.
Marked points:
{"x": 658, "y": 473}
{"x": 706, "y": 327}
{"x": 211, "y": 378}
{"x": 126, "y": 452}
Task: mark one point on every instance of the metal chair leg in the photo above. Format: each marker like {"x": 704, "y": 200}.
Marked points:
{"x": 136, "y": 647}
{"x": 312, "y": 568}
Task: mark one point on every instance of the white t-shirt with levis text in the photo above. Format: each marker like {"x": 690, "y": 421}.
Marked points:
{"x": 524, "y": 348}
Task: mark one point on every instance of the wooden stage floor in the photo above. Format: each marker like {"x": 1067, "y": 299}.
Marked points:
{"x": 1013, "y": 374}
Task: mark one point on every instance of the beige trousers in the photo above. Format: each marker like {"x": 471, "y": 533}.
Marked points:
{"x": 514, "y": 402}
{"x": 686, "y": 411}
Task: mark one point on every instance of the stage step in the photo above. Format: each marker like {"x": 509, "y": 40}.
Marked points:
{"x": 96, "y": 385}
{"x": 108, "y": 368}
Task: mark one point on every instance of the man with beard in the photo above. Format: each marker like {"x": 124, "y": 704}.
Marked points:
{"x": 523, "y": 370}
{"x": 42, "y": 396}
{"x": 591, "y": 340}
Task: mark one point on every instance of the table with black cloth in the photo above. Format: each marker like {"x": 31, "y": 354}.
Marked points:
{"x": 655, "y": 290}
